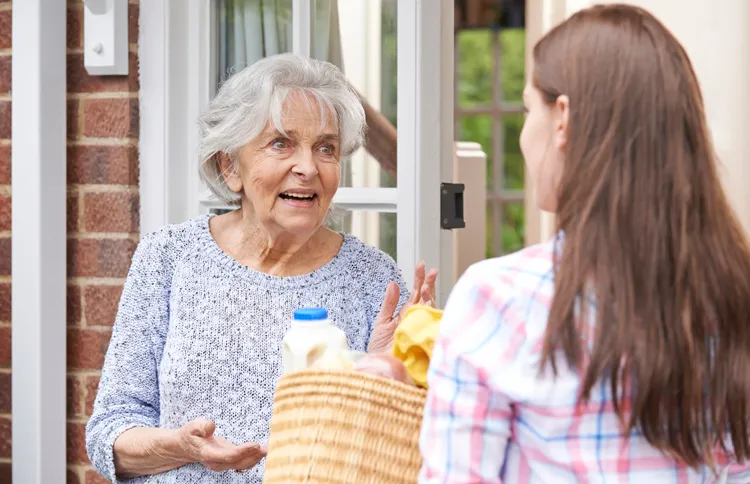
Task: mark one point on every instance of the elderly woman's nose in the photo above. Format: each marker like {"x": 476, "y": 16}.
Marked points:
{"x": 304, "y": 163}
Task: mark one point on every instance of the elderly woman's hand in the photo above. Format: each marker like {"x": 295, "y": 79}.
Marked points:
{"x": 386, "y": 323}
{"x": 217, "y": 453}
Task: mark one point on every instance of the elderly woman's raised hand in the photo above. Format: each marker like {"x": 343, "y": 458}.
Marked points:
{"x": 386, "y": 323}
{"x": 217, "y": 453}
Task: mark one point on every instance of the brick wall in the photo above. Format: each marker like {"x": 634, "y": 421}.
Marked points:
{"x": 102, "y": 210}
{"x": 5, "y": 376}
{"x": 103, "y": 123}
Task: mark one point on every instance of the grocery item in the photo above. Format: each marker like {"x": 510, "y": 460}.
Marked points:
{"x": 386, "y": 366}
{"x": 414, "y": 340}
{"x": 342, "y": 360}
{"x": 311, "y": 338}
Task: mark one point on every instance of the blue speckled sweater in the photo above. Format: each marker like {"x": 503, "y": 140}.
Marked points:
{"x": 198, "y": 335}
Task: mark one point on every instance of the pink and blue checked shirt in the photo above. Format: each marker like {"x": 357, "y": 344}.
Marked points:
{"x": 490, "y": 419}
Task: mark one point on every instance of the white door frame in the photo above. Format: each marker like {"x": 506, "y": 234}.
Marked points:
{"x": 39, "y": 242}
{"x": 175, "y": 78}
{"x": 425, "y": 134}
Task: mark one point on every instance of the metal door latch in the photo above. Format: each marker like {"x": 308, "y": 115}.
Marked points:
{"x": 452, "y": 206}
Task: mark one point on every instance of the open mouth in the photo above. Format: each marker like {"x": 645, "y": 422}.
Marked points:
{"x": 300, "y": 197}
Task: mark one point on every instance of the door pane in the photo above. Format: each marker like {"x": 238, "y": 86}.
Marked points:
{"x": 360, "y": 38}
{"x": 377, "y": 229}
{"x": 249, "y": 30}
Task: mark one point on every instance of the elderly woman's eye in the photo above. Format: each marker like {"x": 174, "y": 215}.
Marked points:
{"x": 280, "y": 144}
{"x": 328, "y": 150}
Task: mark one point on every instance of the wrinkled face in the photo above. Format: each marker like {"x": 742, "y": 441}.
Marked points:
{"x": 543, "y": 139}
{"x": 289, "y": 180}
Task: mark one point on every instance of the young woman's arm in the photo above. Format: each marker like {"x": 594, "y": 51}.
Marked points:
{"x": 467, "y": 418}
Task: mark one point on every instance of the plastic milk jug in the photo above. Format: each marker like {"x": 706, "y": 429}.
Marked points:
{"x": 312, "y": 337}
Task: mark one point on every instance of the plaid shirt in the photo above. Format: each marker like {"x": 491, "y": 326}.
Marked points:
{"x": 491, "y": 419}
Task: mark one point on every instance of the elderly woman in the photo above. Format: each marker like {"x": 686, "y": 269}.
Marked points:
{"x": 188, "y": 382}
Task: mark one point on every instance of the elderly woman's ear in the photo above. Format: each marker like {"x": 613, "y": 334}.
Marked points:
{"x": 229, "y": 171}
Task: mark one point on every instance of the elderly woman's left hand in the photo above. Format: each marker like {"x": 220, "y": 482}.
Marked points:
{"x": 386, "y": 323}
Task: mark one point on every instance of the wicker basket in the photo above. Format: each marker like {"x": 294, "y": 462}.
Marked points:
{"x": 344, "y": 427}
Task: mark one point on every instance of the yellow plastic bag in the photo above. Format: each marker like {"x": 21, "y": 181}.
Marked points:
{"x": 414, "y": 339}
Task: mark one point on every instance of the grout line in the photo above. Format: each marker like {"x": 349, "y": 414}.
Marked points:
{"x": 103, "y": 95}
{"x": 96, "y": 281}
{"x": 103, "y": 236}
{"x": 104, "y": 142}
{"x": 88, "y": 188}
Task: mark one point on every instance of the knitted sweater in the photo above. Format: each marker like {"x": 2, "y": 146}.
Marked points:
{"x": 198, "y": 334}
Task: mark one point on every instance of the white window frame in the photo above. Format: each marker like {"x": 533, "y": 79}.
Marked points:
{"x": 176, "y": 82}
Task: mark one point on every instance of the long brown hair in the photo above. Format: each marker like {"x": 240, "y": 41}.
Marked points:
{"x": 649, "y": 232}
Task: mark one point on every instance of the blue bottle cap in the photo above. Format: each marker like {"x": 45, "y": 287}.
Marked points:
{"x": 310, "y": 314}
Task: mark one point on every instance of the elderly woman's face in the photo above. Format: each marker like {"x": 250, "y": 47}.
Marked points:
{"x": 290, "y": 179}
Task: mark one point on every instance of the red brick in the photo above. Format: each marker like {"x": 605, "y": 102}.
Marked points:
{"x": 116, "y": 165}
{"x": 5, "y": 165}
{"x": 92, "y": 386}
{"x": 86, "y": 348}
{"x": 5, "y": 437}
{"x": 5, "y": 73}
{"x": 6, "y": 16}
{"x": 99, "y": 257}
{"x": 80, "y": 81}
{"x": 5, "y": 256}
{"x": 6, "y": 469}
{"x": 73, "y": 119}
{"x": 5, "y": 297}
{"x": 5, "y": 209}
{"x": 133, "y": 11}
{"x": 111, "y": 212}
{"x": 72, "y": 212}
{"x": 74, "y": 31}
{"x": 72, "y": 477}
{"x": 5, "y": 119}
{"x": 101, "y": 304}
{"x": 110, "y": 118}
{"x": 77, "y": 443}
{"x": 5, "y": 347}
{"x": 74, "y": 396}
{"x": 74, "y": 305}
{"x": 6, "y": 394}
{"x": 93, "y": 478}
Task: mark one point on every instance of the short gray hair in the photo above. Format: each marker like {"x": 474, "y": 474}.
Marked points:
{"x": 251, "y": 98}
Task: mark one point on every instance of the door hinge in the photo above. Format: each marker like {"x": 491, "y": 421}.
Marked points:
{"x": 452, "y": 206}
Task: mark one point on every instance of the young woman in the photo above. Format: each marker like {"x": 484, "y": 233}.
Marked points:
{"x": 620, "y": 351}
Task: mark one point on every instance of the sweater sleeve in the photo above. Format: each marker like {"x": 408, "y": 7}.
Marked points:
{"x": 128, "y": 394}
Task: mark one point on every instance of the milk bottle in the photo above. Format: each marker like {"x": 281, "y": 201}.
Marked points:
{"x": 312, "y": 337}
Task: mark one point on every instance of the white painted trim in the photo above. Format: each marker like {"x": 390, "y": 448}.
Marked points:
{"x": 370, "y": 199}
{"x": 425, "y": 120}
{"x": 153, "y": 144}
{"x": 176, "y": 80}
{"x": 301, "y": 26}
{"x": 39, "y": 241}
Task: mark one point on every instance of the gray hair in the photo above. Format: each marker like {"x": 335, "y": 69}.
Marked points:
{"x": 255, "y": 96}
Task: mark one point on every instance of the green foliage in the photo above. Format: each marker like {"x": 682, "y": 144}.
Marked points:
{"x": 476, "y": 57}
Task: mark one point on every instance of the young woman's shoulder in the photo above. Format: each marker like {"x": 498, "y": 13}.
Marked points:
{"x": 508, "y": 297}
